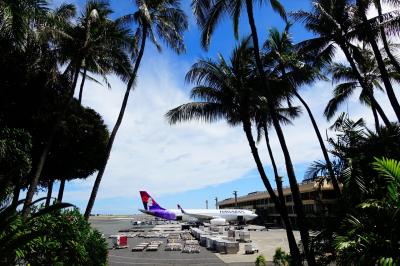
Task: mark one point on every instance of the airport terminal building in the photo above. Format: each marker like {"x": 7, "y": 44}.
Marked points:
{"x": 317, "y": 198}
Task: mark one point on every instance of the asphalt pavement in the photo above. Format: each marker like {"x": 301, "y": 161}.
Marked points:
{"x": 121, "y": 257}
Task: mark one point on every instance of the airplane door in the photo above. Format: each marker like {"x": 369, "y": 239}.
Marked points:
{"x": 241, "y": 220}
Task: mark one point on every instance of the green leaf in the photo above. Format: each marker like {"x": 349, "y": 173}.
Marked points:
{"x": 389, "y": 168}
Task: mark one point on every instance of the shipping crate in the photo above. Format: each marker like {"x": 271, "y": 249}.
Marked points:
{"x": 120, "y": 241}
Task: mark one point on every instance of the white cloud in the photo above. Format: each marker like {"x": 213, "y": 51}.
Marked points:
{"x": 149, "y": 153}
{"x": 301, "y": 138}
{"x": 386, "y": 7}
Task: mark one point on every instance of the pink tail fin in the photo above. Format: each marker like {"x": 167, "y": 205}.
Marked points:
{"x": 149, "y": 203}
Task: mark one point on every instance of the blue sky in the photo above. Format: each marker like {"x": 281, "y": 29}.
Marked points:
{"x": 193, "y": 162}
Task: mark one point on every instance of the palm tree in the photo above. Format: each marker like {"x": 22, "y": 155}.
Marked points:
{"x": 75, "y": 38}
{"x": 66, "y": 83}
{"x": 101, "y": 45}
{"x": 19, "y": 18}
{"x": 209, "y": 14}
{"x": 49, "y": 192}
{"x": 97, "y": 12}
{"x": 371, "y": 75}
{"x": 264, "y": 122}
{"x": 385, "y": 42}
{"x": 297, "y": 68}
{"x": 371, "y": 233}
{"x": 367, "y": 33}
{"x": 111, "y": 58}
{"x": 330, "y": 20}
{"x": 165, "y": 19}
{"x": 226, "y": 91}
{"x": 102, "y": 42}
{"x": 73, "y": 44}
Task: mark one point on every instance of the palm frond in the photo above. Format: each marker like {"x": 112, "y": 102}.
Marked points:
{"x": 214, "y": 15}
{"x": 341, "y": 72}
{"x": 341, "y": 93}
{"x": 279, "y": 8}
{"x": 236, "y": 10}
{"x": 205, "y": 93}
{"x": 388, "y": 168}
{"x": 206, "y": 72}
{"x": 202, "y": 111}
{"x": 200, "y": 9}
{"x": 315, "y": 170}
{"x": 170, "y": 24}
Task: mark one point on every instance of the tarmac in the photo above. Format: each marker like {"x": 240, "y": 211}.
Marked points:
{"x": 266, "y": 242}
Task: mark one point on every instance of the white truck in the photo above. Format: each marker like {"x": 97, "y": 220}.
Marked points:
{"x": 250, "y": 248}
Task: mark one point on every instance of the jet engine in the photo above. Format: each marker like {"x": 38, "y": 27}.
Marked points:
{"x": 218, "y": 221}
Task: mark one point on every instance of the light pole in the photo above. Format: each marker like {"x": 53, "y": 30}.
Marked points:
{"x": 216, "y": 202}
{"x": 206, "y": 204}
{"x": 235, "y": 194}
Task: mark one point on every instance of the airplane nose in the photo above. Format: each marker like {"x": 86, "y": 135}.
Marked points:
{"x": 253, "y": 216}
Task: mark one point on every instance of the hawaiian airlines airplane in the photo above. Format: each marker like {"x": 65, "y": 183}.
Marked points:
{"x": 214, "y": 217}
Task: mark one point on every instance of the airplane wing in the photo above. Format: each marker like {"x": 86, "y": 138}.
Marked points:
{"x": 198, "y": 216}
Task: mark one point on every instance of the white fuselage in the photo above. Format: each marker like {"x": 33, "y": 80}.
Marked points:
{"x": 230, "y": 215}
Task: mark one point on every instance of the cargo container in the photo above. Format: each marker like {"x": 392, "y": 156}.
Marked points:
{"x": 120, "y": 241}
{"x": 231, "y": 247}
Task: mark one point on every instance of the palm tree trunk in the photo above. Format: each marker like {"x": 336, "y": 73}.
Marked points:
{"x": 61, "y": 190}
{"x": 379, "y": 109}
{"x": 82, "y": 85}
{"x": 38, "y": 172}
{"x": 110, "y": 143}
{"x": 301, "y": 218}
{"x": 381, "y": 65}
{"x": 16, "y": 192}
{"x": 294, "y": 250}
{"x": 280, "y": 206}
{"x": 392, "y": 58}
{"x": 376, "y": 119}
{"x": 278, "y": 179}
{"x": 63, "y": 181}
{"x": 47, "y": 147}
{"x": 294, "y": 187}
{"x": 49, "y": 192}
{"x": 371, "y": 97}
{"x": 321, "y": 144}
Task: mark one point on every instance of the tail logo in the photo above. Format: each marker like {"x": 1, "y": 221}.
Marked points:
{"x": 150, "y": 202}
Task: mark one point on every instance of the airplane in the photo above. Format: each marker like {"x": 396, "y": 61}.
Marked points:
{"x": 214, "y": 217}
